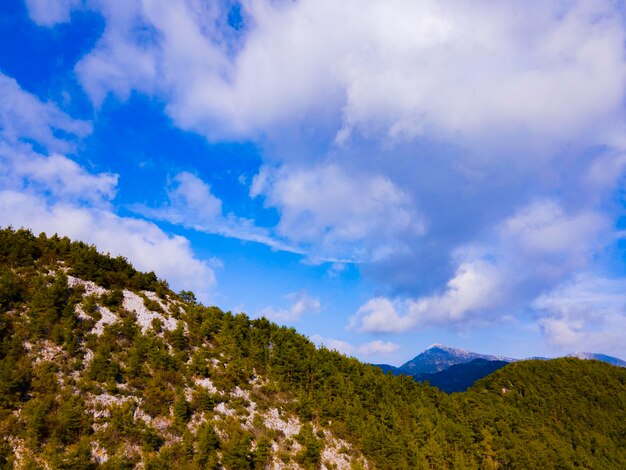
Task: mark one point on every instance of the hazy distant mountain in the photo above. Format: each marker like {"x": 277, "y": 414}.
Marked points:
{"x": 439, "y": 357}
{"x": 460, "y": 377}
{"x": 599, "y": 357}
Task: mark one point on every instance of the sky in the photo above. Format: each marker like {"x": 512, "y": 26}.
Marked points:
{"x": 379, "y": 175}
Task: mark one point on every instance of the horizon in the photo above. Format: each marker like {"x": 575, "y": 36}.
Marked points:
{"x": 419, "y": 173}
{"x": 438, "y": 345}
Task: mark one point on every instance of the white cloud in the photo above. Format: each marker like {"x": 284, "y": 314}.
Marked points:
{"x": 59, "y": 175}
{"x": 378, "y": 347}
{"x": 192, "y": 204}
{"x": 474, "y": 289}
{"x": 503, "y": 86}
{"x": 332, "y": 214}
{"x": 24, "y": 117}
{"x": 132, "y": 68}
{"x": 519, "y": 69}
{"x": 380, "y": 315}
{"x": 325, "y": 213}
{"x": 190, "y": 195}
{"x": 587, "y": 313}
{"x": 544, "y": 228}
{"x": 471, "y": 76}
{"x": 546, "y": 240}
{"x": 373, "y": 348}
{"x": 338, "y": 345}
{"x": 548, "y": 70}
{"x": 301, "y": 303}
{"x": 125, "y": 58}
{"x": 539, "y": 246}
{"x": 46, "y": 13}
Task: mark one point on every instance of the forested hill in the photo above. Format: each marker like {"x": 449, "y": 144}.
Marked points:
{"x": 105, "y": 367}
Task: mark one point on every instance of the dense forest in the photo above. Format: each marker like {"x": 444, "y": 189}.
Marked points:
{"x": 91, "y": 379}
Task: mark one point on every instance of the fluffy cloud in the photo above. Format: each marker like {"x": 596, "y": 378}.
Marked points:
{"x": 332, "y": 214}
{"x": 470, "y": 153}
{"x": 378, "y": 347}
{"x": 24, "y": 117}
{"x": 535, "y": 249}
{"x": 446, "y": 68}
{"x": 301, "y": 303}
{"x": 192, "y": 204}
{"x": 325, "y": 213}
{"x": 498, "y": 88}
{"x": 474, "y": 289}
{"x": 46, "y": 13}
{"x": 587, "y": 313}
{"x": 373, "y": 348}
{"x": 56, "y": 174}
{"x": 544, "y": 238}
{"x": 338, "y": 345}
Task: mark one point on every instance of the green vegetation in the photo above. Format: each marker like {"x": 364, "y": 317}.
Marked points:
{"x": 73, "y": 398}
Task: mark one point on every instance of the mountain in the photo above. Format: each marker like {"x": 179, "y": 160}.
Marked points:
{"x": 460, "y": 377}
{"x": 438, "y": 357}
{"x": 599, "y": 357}
{"x": 103, "y": 366}
{"x": 455, "y": 370}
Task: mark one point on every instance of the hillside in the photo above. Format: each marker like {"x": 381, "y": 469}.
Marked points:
{"x": 105, "y": 367}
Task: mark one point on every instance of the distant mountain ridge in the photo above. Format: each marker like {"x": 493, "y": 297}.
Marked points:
{"x": 455, "y": 370}
{"x": 616, "y": 361}
{"x": 460, "y": 377}
{"x": 438, "y": 357}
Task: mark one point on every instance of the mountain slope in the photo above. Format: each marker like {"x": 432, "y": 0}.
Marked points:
{"x": 105, "y": 367}
{"x": 132, "y": 374}
{"x": 599, "y": 357}
{"x": 559, "y": 410}
{"x": 438, "y": 357}
{"x": 460, "y": 377}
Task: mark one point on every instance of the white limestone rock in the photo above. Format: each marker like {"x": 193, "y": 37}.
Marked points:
{"x": 134, "y": 303}
{"x": 107, "y": 318}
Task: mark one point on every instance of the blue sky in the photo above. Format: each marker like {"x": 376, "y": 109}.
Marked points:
{"x": 379, "y": 175}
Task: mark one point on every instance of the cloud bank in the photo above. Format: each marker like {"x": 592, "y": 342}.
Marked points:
{"x": 373, "y": 348}
{"x": 468, "y": 154}
{"x": 301, "y": 304}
